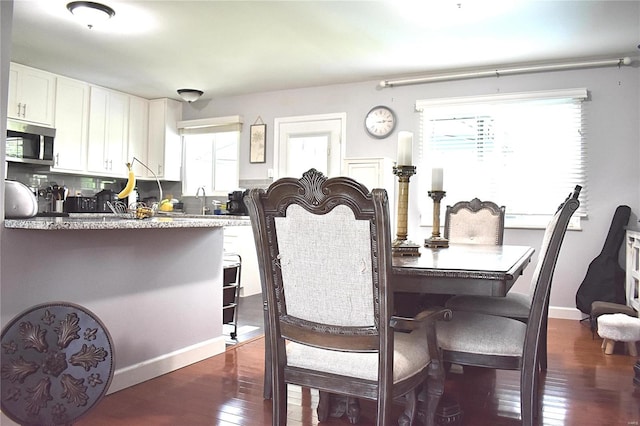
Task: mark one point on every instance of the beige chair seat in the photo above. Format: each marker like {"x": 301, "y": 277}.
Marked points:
{"x": 482, "y": 334}
{"x": 515, "y": 305}
{"x": 410, "y": 355}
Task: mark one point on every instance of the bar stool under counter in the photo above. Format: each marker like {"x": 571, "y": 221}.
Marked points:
{"x": 232, "y": 271}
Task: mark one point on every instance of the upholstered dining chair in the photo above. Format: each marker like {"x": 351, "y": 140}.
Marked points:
{"x": 324, "y": 254}
{"x": 498, "y": 342}
{"x": 514, "y": 305}
{"x": 474, "y": 222}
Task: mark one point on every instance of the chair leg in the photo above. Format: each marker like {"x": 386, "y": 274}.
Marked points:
{"x": 324, "y": 404}
{"x": 279, "y": 401}
{"x": 527, "y": 396}
{"x": 434, "y": 391}
{"x": 542, "y": 349}
{"x": 609, "y": 347}
{"x": 353, "y": 410}
{"x": 631, "y": 347}
{"x": 409, "y": 415}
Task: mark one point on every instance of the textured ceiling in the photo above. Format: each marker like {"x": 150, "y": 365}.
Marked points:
{"x": 151, "y": 48}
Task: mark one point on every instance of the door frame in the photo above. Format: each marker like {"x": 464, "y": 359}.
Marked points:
{"x": 312, "y": 119}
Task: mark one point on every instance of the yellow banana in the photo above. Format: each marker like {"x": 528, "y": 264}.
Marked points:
{"x": 131, "y": 183}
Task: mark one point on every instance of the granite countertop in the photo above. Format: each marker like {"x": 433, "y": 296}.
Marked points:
{"x": 110, "y": 221}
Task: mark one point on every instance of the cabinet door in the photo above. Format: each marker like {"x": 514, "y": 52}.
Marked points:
{"x": 31, "y": 95}
{"x": 138, "y": 134}
{"x": 72, "y": 121}
{"x": 96, "y": 160}
{"x": 108, "y": 132}
{"x": 117, "y": 133}
{"x": 165, "y": 144}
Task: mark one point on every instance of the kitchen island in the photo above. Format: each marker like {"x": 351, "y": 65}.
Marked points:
{"x": 155, "y": 283}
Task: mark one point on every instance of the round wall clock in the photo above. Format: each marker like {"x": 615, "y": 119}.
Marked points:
{"x": 380, "y": 121}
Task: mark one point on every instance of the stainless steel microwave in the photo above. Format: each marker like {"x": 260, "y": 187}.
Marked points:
{"x": 29, "y": 143}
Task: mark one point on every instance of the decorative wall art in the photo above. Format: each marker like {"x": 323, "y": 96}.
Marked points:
{"x": 258, "y": 139}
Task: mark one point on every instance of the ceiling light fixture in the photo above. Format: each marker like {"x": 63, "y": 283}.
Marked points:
{"x": 190, "y": 95}
{"x": 90, "y": 13}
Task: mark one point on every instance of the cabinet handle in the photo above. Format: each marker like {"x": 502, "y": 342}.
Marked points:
{"x": 106, "y": 164}
{"x": 24, "y": 110}
{"x": 110, "y": 164}
{"x": 19, "y": 108}
{"x": 57, "y": 159}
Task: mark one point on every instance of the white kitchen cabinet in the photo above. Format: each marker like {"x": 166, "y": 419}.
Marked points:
{"x": 374, "y": 173}
{"x": 108, "y": 132}
{"x": 633, "y": 269}
{"x": 71, "y": 123}
{"x": 239, "y": 240}
{"x": 138, "y": 134}
{"x": 31, "y": 95}
{"x": 165, "y": 144}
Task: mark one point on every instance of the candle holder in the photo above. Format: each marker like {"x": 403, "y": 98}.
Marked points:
{"x": 436, "y": 241}
{"x": 401, "y": 246}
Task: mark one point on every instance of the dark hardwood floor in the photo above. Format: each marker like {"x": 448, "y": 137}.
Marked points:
{"x": 582, "y": 387}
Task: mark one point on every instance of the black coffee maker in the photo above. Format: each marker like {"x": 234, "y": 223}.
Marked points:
{"x": 235, "y": 205}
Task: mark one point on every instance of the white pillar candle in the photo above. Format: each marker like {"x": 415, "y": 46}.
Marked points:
{"x": 405, "y": 148}
{"x": 436, "y": 179}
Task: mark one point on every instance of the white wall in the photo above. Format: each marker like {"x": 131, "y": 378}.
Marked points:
{"x": 613, "y": 146}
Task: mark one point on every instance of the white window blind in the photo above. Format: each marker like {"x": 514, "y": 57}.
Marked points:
{"x": 523, "y": 150}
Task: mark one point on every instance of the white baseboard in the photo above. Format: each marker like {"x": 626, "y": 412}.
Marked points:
{"x": 143, "y": 371}
{"x": 565, "y": 313}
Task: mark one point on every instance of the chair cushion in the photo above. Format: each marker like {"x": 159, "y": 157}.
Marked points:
{"x": 481, "y": 334}
{"x": 411, "y": 355}
{"x": 514, "y": 305}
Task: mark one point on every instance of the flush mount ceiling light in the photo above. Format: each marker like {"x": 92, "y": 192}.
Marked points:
{"x": 190, "y": 95}
{"x": 90, "y": 13}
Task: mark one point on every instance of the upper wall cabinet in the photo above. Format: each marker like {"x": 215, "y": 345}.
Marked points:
{"x": 31, "y": 95}
{"x": 108, "y": 132}
{"x": 71, "y": 123}
{"x": 138, "y": 134}
{"x": 165, "y": 145}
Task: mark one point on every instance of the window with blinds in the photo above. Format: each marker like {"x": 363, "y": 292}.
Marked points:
{"x": 524, "y": 151}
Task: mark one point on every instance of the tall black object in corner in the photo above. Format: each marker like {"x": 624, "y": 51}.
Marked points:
{"x": 604, "y": 280}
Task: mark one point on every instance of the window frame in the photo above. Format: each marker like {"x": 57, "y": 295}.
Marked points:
{"x": 512, "y": 220}
{"x": 211, "y": 126}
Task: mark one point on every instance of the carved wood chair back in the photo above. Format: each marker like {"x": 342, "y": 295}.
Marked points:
{"x": 474, "y": 222}
{"x": 324, "y": 254}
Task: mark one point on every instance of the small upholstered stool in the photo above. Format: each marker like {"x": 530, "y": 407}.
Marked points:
{"x": 619, "y": 328}
{"x": 602, "y": 308}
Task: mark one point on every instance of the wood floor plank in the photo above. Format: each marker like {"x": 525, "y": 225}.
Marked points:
{"x": 582, "y": 386}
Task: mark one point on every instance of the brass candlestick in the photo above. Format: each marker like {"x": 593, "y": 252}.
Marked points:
{"x": 401, "y": 246}
{"x": 436, "y": 241}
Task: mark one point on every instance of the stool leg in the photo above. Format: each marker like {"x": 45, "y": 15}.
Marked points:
{"x": 604, "y": 343}
{"x": 631, "y": 347}
{"x": 610, "y": 345}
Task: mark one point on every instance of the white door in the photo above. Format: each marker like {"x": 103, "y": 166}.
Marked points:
{"x": 311, "y": 141}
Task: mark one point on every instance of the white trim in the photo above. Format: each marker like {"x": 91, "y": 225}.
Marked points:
{"x": 559, "y": 312}
{"x": 421, "y": 104}
{"x": 210, "y": 122}
{"x": 146, "y": 370}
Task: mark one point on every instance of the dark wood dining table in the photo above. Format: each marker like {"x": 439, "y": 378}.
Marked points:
{"x": 462, "y": 269}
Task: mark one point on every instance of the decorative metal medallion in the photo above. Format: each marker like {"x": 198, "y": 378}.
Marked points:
{"x": 56, "y": 361}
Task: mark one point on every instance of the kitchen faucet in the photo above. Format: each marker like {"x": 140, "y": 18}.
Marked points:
{"x": 204, "y": 207}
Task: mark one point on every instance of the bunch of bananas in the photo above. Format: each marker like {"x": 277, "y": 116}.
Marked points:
{"x": 143, "y": 212}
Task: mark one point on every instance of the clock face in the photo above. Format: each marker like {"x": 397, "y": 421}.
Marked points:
{"x": 380, "y": 122}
